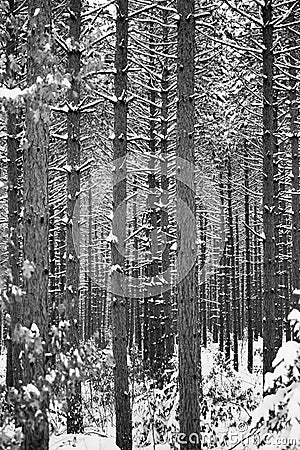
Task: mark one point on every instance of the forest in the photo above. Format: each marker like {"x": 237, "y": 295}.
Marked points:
{"x": 149, "y": 224}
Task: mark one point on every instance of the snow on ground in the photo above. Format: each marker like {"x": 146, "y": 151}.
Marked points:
{"x": 82, "y": 442}
{"x": 93, "y": 442}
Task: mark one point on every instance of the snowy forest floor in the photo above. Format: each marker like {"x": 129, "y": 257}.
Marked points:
{"x": 228, "y": 399}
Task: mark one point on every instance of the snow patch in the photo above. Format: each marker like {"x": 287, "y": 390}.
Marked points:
{"x": 82, "y": 442}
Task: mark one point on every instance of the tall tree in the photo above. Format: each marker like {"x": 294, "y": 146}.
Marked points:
{"x": 248, "y": 265}
{"x": 13, "y": 375}
{"x": 294, "y": 142}
{"x": 232, "y": 265}
{"x": 36, "y": 213}
{"x": 268, "y": 188}
{"x": 74, "y": 414}
{"x": 165, "y": 225}
{"x": 187, "y": 321}
{"x": 119, "y": 329}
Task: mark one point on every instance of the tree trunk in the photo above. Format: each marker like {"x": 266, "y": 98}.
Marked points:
{"x": 155, "y": 353}
{"x": 294, "y": 142}
{"x": 237, "y": 277}
{"x": 62, "y": 265}
{"x": 268, "y": 190}
{"x": 53, "y": 310}
{"x": 248, "y": 266}
{"x": 256, "y": 269}
{"x": 13, "y": 370}
{"x": 166, "y": 261}
{"x": 36, "y": 210}
{"x": 187, "y": 322}
{"x": 119, "y": 331}
{"x": 222, "y": 272}
{"x": 232, "y": 268}
{"x": 90, "y": 311}
{"x": 74, "y": 414}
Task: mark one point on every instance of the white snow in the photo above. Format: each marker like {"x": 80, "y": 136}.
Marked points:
{"x": 112, "y": 238}
{"x": 91, "y": 442}
{"x": 28, "y": 268}
{"x": 30, "y": 390}
{"x": 68, "y": 168}
{"x": 11, "y": 94}
{"x": 35, "y": 329}
{"x": 82, "y": 442}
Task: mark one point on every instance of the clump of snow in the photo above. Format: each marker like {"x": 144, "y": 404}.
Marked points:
{"x": 35, "y": 329}
{"x": 112, "y": 238}
{"x": 28, "y": 268}
{"x": 31, "y": 390}
{"x": 11, "y": 94}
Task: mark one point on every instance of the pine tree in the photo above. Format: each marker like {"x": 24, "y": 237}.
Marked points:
{"x": 13, "y": 374}
{"x": 268, "y": 189}
{"x": 119, "y": 329}
{"x": 36, "y": 206}
{"x": 74, "y": 415}
{"x": 187, "y": 301}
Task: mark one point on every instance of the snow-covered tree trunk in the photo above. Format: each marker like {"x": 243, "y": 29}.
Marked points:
{"x": 237, "y": 278}
{"x": 154, "y": 351}
{"x": 136, "y": 275}
{"x": 187, "y": 299}
{"x": 249, "y": 306}
{"x": 222, "y": 272}
{"x": 256, "y": 269}
{"x": 202, "y": 278}
{"x": 165, "y": 86}
{"x": 62, "y": 260}
{"x": 294, "y": 142}
{"x": 13, "y": 375}
{"x": 268, "y": 189}
{"x": 276, "y": 175}
{"x": 53, "y": 310}
{"x": 90, "y": 311}
{"x": 232, "y": 265}
{"x": 74, "y": 414}
{"x": 118, "y": 311}
{"x": 36, "y": 207}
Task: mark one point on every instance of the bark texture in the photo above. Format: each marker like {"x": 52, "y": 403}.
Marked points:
{"x": 187, "y": 321}
{"x": 36, "y": 214}
{"x": 119, "y": 329}
{"x": 13, "y": 372}
{"x": 74, "y": 414}
{"x": 268, "y": 190}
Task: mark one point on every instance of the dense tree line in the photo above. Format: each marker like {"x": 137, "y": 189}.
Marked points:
{"x": 150, "y": 154}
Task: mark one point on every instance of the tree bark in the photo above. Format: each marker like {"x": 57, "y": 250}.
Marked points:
{"x": 166, "y": 261}
{"x": 232, "y": 268}
{"x": 13, "y": 370}
{"x": 248, "y": 266}
{"x": 74, "y": 414}
{"x": 294, "y": 142}
{"x": 268, "y": 190}
{"x": 119, "y": 330}
{"x": 36, "y": 209}
{"x": 187, "y": 321}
